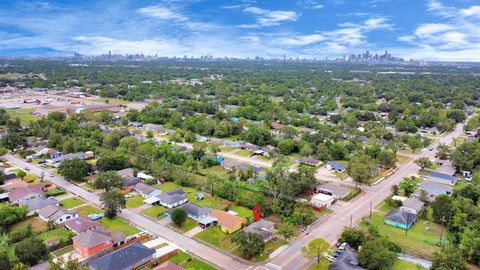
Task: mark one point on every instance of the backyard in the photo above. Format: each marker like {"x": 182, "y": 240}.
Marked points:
{"x": 420, "y": 241}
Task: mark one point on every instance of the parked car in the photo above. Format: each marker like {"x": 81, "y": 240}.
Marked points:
{"x": 129, "y": 195}
{"x": 43, "y": 165}
{"x": 143, "y": 233}
{"x": 95, "y": 216}
{"x": 342, "y": 246}
{"x": 329, "y": 258}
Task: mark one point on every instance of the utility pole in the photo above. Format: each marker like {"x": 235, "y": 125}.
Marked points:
{"x": 351, "y": 217}
{"x": 370, "y": 211}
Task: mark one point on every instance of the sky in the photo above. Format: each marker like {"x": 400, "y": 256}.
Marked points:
{"x": 446, "y": 30}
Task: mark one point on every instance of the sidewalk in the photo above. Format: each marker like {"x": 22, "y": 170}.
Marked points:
{"x": 193, "y": 231}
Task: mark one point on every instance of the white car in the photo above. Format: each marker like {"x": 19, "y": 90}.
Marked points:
{"x": 51, "y": 175}
{"x": 143, "y": 233}
{"x": 342, "y": 246}
{"x": 129, "y": 195}
{"x": 329, "y": 258}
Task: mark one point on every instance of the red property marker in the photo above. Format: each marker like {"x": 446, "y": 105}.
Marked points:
{"x": 257, "y": 211}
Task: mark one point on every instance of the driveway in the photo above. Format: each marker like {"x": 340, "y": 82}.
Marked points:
{"x": 193, "y": 231}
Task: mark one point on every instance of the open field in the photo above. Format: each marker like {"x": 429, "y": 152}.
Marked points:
{"x": 24, "y": 114}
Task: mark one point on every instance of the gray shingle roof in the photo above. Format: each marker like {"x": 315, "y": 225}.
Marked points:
{"x": 347, "y": 261}
{"x": 38, "y": 203}
{"x": 401, "y": 217}
{"x": 195, "y": 210}
{"x": 123, "y": 258}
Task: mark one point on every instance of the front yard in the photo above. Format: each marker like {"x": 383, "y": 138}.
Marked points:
{"x": 270, "y": 247}
{"x": 135, "y": 201}
{"x": 87, "y": 210}
{"x": 71, "y": 202}
{"x": 190, "y": 263}
{"x": 215, "y": 237}
{"x": 155, "y": 212}
{"x": 118, "y": 225}
{"x": 186, "y": 226}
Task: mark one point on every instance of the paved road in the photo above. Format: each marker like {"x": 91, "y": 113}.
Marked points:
{"x": 332, "y": 225}
{"x": 209, "y": 254}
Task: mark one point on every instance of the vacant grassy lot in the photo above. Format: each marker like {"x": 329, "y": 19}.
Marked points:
{"x": 215, "y": 170}
{"x": 403, "y": 265}
{"x": 155, "y": 212}
{"x": 59, "y": 234}
{"x": 62, "y": 251}
{"x": 110, "y": 101}
{"x": 270, "y": 247}
{"x": 135, "y": 201}
{"x": 88, "y": 209}
{"x": 119, "y": 225}
{"x": 186, "y": 226}
{"x": 23, "y": 114}
{"x": 214, "y": 236}
{"x": 418, "y": 242}
{"x": 190, "y": 263}
{"x": 71, "y": 202}
{"x": 38, "y": 225}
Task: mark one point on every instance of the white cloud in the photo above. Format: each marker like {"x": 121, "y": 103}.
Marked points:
{"x": 471, "y": 11}
{"x": 162, "y": 13}
{"x": 266, "y": 17}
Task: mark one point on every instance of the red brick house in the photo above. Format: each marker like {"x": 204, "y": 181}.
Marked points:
{"x": 96, "y": 242}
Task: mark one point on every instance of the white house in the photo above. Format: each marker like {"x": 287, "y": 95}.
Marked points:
{"x": 321, "y": 200}
{"x": 57, "y": 214}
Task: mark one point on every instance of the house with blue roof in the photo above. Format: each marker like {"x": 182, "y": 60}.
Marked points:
{"x": 400, "y": 219}
{"x": 126, "y": 258}
{"x": 442, "y": 178}
{"x": 335, "y": 166}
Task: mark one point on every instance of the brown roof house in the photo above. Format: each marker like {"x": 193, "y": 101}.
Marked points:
{"x": 81, "y": 224}
{"x": 57, "y": 214}
{"x": 310, "y": 161}
{"x": 25, "y": 193}
{"x": 228, "y": 222}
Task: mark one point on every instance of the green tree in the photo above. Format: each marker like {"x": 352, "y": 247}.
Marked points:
{"x": 113, "y": 203}
{"x": 442, "y": 209}
{"x": 30, "y": 251}
{"x": 353, "y": 237}
{"x": 115, "y": 162}
{"x": 74, "y": 169}
{"x": 179, "y": 216}
{"x": 470, "y": 243}
{"x": 423, "y": 162}
{"x": 286, "y": 231}
{"x": 361, "y": 168}
{"x": 70, "y": 264}
{"x": 408, "y": 185}
{"x": 108, "y": 180}
{"x": 10, "y": 215}
{"x": 375, "y": 254}
{"x": 5, "y": 263}
{"x": 13, "y": 141}
{"x": 21, "y": 174}
{"x": 448, "y": 259}
{"x": 249, "y": 244}
{"x": 20, "y": 266}
{"x": 315, "y": 249}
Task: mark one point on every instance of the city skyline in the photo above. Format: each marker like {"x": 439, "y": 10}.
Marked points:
{"x": 424, "y": 30}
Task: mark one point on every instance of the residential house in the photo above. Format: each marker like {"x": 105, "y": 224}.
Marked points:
{"x": 348, "y": 260}
{"x": 442, "y": 178}
{"x": 336, "y": 167}
{"x": 168, "y": 265}
{"x": 55, "y": 162}
{"x": 143, "y": 176}
{"x": 321, "y": 201}
{"x": 130, "y": 181}
{"x": 310, "y": 161}
{"x": 37, "y": 203}
{"x": 128, "y": 172}
{"x": 230, "y": 164}
{"x": 228, "y": 222}
{"x": 433, "y": 189}
{"x": 81, "y": 224}
{"x": 337, "y": 191}
{"x": 56, "y": 213}
{"x": 400, "y": 219}
{"x": 127, "y": 258}
{"x": 196, "y": 212}
{"x": 264, "y": 228}
{"x": 412, "y": 205}
{"x": 25, "y": 193}
{"x": 207, "y": 221}
{"x": 157, "y": 128}
{"x": 96, "y": 242}
{"x": 168, "y": 199}
{"x": 146, "y": 190}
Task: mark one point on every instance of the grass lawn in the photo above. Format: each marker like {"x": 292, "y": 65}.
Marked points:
{"x": 88, "y": 209}
{"x": 242, "y": 211}
{"x": 60, "y": 234}
{"x": 135, "y": 201}
{"x": 119, "y": 225}
{"x": 23, "y": 114}
{"x": 402, "y": 159}
{"x": 270, "y": 247}
{"x": 403, "y": 265}
{"x": 186, "y": 226}
{"x": 215, "y": 237}
{"x": 190, "y": 263}
{"x": 418, "y": 242}
{"x": 38, "y": 225}
{"x": 215, "y": 170}
{"x": 110, "y": 101}
{"x": 62, "y": 251}
{"x": 155, "y": 212}
{"x": 244, "y": 153}
{"x": 71, "y": 202}
{"x": 190, "y": 193}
